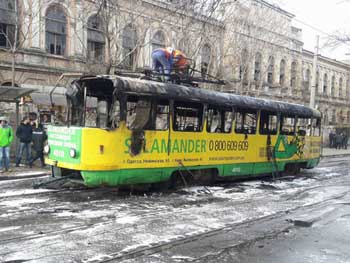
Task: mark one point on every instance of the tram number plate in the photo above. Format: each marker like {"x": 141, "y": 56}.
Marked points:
{"x": 219, "y": 145}
{"x": 58, "y": 153}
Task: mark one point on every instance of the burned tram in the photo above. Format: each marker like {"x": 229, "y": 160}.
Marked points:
{"x": 125, "y": 131}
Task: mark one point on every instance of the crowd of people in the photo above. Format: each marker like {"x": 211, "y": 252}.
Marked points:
{"x": 338, "y": 140}
{"x": 31, "y": 139}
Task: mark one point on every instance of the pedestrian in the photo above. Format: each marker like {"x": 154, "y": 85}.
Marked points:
{"x": 38, "y": 139}
{"x": 6, "y": 138}
{"x": 24, "y": 134}
{"x": 338, "y": 140}
{"x": 345, "y": 141}
{"x": 162, "y": 60}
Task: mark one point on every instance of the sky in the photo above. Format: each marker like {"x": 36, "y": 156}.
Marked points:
{"x": 326, "y": 16}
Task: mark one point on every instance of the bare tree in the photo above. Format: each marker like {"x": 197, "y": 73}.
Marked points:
{"x": 252, "y": 28}
{"x": 17, "y": 28}
{"x": 115, "y": 21}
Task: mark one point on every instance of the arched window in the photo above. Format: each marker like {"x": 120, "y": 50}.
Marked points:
{"x": 56, "y": 30}
{"x": 205, "y": 59}
{"x": 326, "y": 117}
{"x": 333, "y": 86}
{"x": 293, "y": 75}
{"x": 129, "y": 43}
{"x": 7, "y": 23}
{"x": 340, "y": 117}
{"x": 95, "y": 39}
{"x": 325, "y": 83}
{"x": 243, "y": 68}
{"x": 271, "y": 70}
{"x": 317, "y": 81}
{"x": 341, "y": 92}
{"x": 334, "y": 116}
{"x": 307, "y": 79}
{"x": 282, "y": 72}
{"x": 257, "y": 67}
{"x": 158, "y": 40}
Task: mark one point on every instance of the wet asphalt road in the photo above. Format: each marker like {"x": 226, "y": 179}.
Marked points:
{"x": 295, "y": 219}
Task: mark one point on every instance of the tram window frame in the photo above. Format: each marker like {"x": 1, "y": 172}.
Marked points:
{"x": 224, "y": 124}
{"x": 282, "y": 130}
{"x": 303, "y": 127}
{"x": 115, "y": 114}
{"x": 316, "y": 127}
{"x": 242, "y": 114}
{"x": 185, "y": 107}
{"x": 161, "y": 106}
{"x": 152, "y": 105}
{"x": 269, "y": 130}
{"x": 90, "y": 119}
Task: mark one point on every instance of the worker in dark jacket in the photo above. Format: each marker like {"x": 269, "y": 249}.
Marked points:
{"x": 24, "y": 134}
{"x": 38, "y": 138}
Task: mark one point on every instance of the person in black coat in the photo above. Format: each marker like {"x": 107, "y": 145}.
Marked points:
{"x": 24, "y": 134}
{"x": 38, "y": 139}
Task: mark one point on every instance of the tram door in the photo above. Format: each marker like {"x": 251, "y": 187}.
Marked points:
{"x": 267, "y": 136}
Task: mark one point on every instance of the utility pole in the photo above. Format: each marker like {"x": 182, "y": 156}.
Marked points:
{"x": 314, "y": 74}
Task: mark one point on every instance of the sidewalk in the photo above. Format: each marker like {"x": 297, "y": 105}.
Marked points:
{"x": 328, "y": 152}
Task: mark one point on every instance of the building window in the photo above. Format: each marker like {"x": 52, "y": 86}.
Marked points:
{"x": 340, "y": 118}
{"x": 293, "y": 75}
{"x": 307, "y": 79}
{"x": 205, "y": 59}
{"x": 129, "y": 43}
{"x": 317, "y": 81}
{"x": 282, "y": 72}
{"x": 325, "y": 83}
{"x": 333, "y": 86}
{"x": 95, "y": 39}
{"x": 341, "y": 92}
{"x": 347, "y": 88}
{"x": 334, "y": 116}
{"x": 270, "y": 70}
{"x": 243, "y": 68}
{"x": 158, "y": 40}
{"x": 7, "y": 23}
{"x": 257, "y": 67}
{"x": 56, "y": 30}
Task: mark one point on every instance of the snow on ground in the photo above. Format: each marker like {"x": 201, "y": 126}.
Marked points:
{"x": 24, "y": 201}
{"x": 4, "y": 229}
{"x": 12, "y": 192}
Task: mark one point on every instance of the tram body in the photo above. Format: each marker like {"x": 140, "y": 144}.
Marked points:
{"x": 125, "y": 131}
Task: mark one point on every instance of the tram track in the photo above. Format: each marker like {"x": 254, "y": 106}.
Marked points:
{"x": 149, "y": 215}
{"x": 11, "y": 178}
{"x": 159, "y": 213}
{"x": 187, "y": 238}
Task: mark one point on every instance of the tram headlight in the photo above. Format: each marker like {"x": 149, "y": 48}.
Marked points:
{"x": 72, "y": 153}
{"x": 46, "y": 149}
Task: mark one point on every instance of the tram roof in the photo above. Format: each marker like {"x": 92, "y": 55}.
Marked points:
{"x": 180, "y": 92}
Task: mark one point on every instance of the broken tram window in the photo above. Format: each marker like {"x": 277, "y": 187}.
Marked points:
{"x": 188, "y": 116}
{"x": 147, "y": 114}
{"x": 219, "y": 120}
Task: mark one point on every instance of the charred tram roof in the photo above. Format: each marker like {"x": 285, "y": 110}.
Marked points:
{"x": 105, "y": 84}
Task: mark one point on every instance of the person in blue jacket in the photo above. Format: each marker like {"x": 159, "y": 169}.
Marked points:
{"x": 162, "y": 59}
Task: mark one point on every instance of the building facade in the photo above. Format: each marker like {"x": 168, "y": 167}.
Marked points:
{"x": 251, "y": 44}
